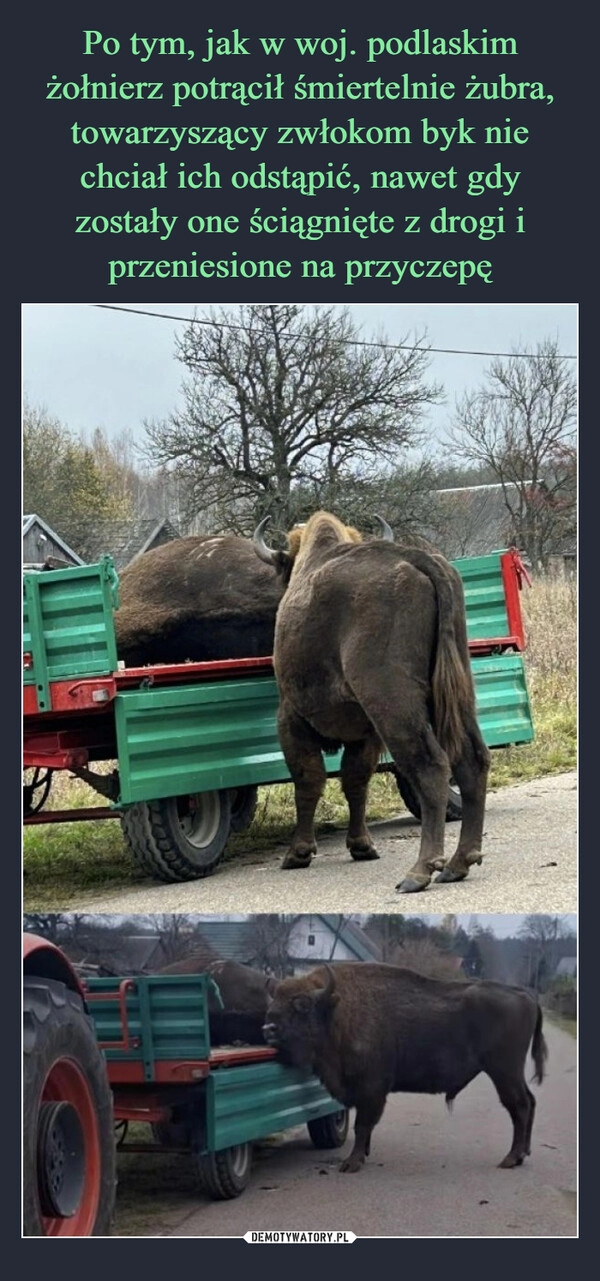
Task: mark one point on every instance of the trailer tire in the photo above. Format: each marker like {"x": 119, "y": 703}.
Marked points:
{"x": 243, "y": 807}
{"x": 69, "y": 1158}
{"x": 175, "y": 840}
{"x": 225, "y": 1174}
{"x": 330, "y": 1131}
{"x": 409, "y": 796}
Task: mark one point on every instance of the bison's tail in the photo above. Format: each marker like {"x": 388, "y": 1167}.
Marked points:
{"x": 452, "y": 681}
{"x": 539, "y": 1049}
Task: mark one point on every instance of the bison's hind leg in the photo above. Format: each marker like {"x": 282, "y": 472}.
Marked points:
{"x": 304, "y": 760}
{"x": 419, "y": 756}
{"x": 520, "y": 1104}
{"x": 359, "y": 763}
{"x": 470, "y": 772}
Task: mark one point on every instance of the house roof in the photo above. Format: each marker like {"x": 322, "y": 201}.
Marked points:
{"x": 33, "y": 519}
{"x": 230, "y": 940}
{"x": 353, "y": 937}
{"x": 124, "y": 539}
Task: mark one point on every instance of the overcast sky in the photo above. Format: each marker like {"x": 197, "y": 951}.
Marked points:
{"x": 94, "y": 367}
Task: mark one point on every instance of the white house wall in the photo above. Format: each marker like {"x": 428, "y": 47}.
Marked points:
{"x": 320, "y": 949}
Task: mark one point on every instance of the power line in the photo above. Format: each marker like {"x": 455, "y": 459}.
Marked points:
{"x": 348, "y": 342}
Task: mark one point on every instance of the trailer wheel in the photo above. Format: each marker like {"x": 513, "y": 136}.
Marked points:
{"x": 181, "y": 838}
{"x": 243, "y": 807}
{"x": 409, "y": 796}
{"x": 68, "y": 1137}
{"x": 224, "y": 1175}
{"x": 330, "y": 1131}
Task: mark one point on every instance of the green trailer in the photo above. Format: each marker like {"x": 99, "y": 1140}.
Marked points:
{"x": 192, "y": 742}
{"x": 102, "y": 1053}
{"x": 213, "y": 1101}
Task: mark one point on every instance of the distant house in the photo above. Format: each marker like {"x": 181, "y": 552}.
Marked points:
{"x": 566, "y": 968}
{"x": 126, "y": 539}
{"x": 40, "y": 542}
{"x": 314, "y": 939}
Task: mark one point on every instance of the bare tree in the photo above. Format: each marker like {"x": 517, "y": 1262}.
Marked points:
{"x": 521, "y": 424}
{"x": 423, "y": 956}
{"x": 541, "y": 934}
{"x": 269, "y": 937}
{"x": 176, "y": 933}
{"x": 281, "y": 401}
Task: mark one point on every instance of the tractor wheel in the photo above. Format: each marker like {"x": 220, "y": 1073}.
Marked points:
{"x": 182, "y": 838}
{"x": 409, "y": 796}
{"x": 225, "y": 1174}
{"x": 243, "y": 807}
{"x": 330, "y": 1131}
{"x": 68, "y": 1135}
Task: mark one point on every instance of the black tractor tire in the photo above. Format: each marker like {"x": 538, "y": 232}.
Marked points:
{"x": 181, "y": 838}
{"x": 225, "y": 1174}
{"x": 330, "y": 1131}
{"x": 69, "y": 1159}
{"x": 453, "y": 806}
{"x": 243, "y": 807}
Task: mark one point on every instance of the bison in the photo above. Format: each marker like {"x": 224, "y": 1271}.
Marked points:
{"x": 197, "y": 598}
{"x": 371, "y": 652}
{"x": 370, "y": 1029}
{"x": 244, "y": 993}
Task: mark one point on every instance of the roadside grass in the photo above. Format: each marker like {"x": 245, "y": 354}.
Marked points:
{"x": 64, "y": 861}
{"x": 558, "y": 1020}
{"x": 139, "y": 1210}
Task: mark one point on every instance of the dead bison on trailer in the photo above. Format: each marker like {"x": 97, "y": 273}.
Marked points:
{"x": 245, "y": 994}
{"x": 198, "y": 598}
{"x": 368, "y": 1030}
{"x": 371, "y": 652}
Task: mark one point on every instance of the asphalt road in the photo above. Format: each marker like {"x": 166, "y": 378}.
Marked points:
{"x": 431, "y": 1173}
{"x": 529, "y": 865}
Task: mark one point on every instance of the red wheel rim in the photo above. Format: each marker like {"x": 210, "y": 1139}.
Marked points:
{"x": 66, "y": 1082}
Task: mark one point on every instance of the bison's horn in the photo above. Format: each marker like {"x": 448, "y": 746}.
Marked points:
{"x": 262, "y": 551}
{"x": 386, "y": 532}
{"x": 325, "y": 993}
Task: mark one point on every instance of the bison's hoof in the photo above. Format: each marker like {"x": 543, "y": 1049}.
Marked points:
{"x": 296, "y": 858}
{"x": 510, "y": 1162}
{"x": 452, "y": 874}
{"x": 363, "y": 853}
{"x": 352, "y": 1165}
{"x": 412, "y": 884}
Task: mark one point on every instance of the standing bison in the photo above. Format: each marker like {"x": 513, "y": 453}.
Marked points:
{"x": 369, "y": 1030}
{"x": 371, "y": 652}
{"x": 197, "y": 598}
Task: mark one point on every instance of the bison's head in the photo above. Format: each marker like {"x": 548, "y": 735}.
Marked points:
{"x": 298, "y": 1016}
{"x": 322, "y": 528}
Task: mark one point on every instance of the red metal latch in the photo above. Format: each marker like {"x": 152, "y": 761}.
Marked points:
{"x": 520, "y": 569}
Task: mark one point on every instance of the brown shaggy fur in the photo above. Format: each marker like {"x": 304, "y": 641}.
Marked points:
{"x": 371, "y": 652}
{"x": 368, "y": 1030}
